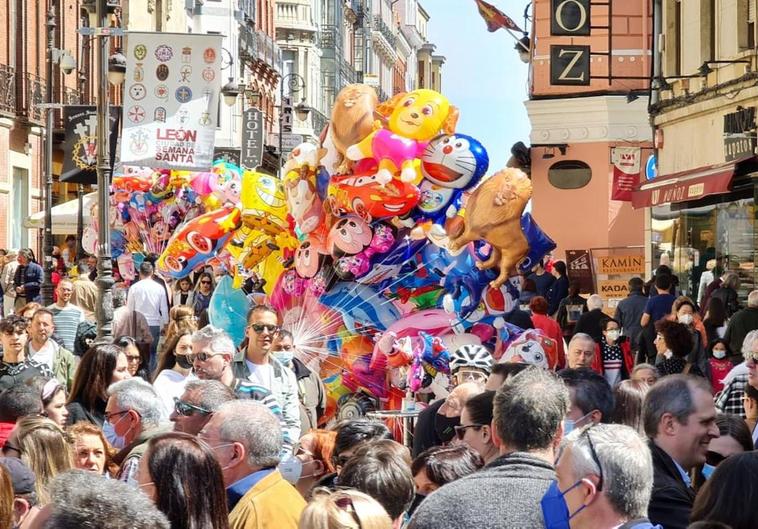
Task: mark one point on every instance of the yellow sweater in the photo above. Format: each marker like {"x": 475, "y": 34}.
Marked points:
{"x": 271, "y": 504}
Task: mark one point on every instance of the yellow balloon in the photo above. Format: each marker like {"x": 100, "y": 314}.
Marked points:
{"x": 264, "y": 205}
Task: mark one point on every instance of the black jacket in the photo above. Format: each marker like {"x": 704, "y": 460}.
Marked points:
{"x": 671, "y": 501}
{"x": 589, "y": 323}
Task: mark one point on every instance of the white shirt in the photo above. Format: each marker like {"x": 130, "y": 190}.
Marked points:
{"x": 169, "y": 384}
{"x": 44, "y": 355}
{"x": 149, "y": 298}
{"x": 261, "y": 374}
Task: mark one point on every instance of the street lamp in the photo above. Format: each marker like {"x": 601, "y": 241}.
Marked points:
{"x": 230, "y": 91}
{"x": 295, "y": 83}
{"x": 117, "y": 68}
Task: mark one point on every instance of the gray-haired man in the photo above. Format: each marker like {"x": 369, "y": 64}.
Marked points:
{"x": 604, "y": 477}
{"x": 200, "y": 399}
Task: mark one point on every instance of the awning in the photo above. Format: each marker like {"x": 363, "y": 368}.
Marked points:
{"x": 64, "y": 216}
{"x": 684, "y": 186}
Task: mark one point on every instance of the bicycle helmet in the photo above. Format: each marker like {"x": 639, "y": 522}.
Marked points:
{"x": 472, "y": 356}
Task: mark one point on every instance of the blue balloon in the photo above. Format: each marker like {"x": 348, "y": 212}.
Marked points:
{"x": 228, "y": 309}
{"x": 360, "y": 304}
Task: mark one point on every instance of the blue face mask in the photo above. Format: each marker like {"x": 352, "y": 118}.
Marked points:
{"x": 109, "y": 431}
{"x": 554, "y": 508}
{"x": 707, "y": 470}
{"x": 570, "y": 424}
{"x": 285, "y": 357}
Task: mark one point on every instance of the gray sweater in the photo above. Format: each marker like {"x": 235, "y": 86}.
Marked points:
{"x": 505, "y": 494}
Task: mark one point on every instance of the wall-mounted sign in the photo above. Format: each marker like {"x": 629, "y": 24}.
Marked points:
{"x": 227, "y": 154}
{"x": 651, "y": 167}
{"x": 569, "y": 65}
{"x": 579, "y": 265}
{"x": 570, "y": 17}
{"x": 739, "y": 134}
{"x": 252, "y": 139}
{"x": 621, "y": 264}
{"x": 613, "y": 288}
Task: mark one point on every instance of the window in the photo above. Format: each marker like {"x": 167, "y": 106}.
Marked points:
{"x": 569, "y": 174}
{"x": 19, "y": 234}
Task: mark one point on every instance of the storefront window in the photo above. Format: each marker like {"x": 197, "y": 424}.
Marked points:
{"x": 685, "y": 239}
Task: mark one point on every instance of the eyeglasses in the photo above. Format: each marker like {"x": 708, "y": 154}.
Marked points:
{"x": 109, "y": 416}
{"x": 185, "y": 409}
{"x": 260, "y": 327}
{"x": 460, "y": 431}
{"x": 593, "y": 453}
{"x": 133, "y": 358}
{"x": 205, "y": 282}
{"x": 714, "y": 458}
{"x": 203, "y": 357}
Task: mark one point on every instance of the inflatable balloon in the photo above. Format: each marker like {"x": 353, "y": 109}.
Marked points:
{"x": 493, "y": 214}
{"x": 360, "y": 305}
{"x": 413, "y": 119}
{"x": 228, "y": 309}
{"x": 532, "y": 347}
{"x": 352, "y": 116}
{"x": 197, "y": 241}
{"x": 263, "y": 202}
{"x": 354, "y": 245}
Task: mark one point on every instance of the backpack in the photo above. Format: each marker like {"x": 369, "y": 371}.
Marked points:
{"x": 86, "y": 333}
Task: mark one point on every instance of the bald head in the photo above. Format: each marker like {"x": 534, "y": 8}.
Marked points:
{"x": 458, "y": 397}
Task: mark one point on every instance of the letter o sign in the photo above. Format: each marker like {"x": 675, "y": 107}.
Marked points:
{"x": 570, "y": 17}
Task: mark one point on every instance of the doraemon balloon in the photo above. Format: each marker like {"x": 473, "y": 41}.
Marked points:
{"x": 451, "y": 164}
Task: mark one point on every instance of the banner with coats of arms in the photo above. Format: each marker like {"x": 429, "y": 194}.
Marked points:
{"x": 171, "y": 94}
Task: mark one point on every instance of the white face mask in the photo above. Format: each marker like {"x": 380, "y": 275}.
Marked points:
{"x": 719, "y": 353}
{"x": 612, "y": 335}
{"x": 667, "y": 354}
{"x": 686, "y": 319}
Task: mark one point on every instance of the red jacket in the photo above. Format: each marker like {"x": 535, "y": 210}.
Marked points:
{"x": 626, "y": 351}
{"x": 5, "y": 431}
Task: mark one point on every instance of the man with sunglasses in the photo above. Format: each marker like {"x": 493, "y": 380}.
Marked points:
{"x": 211, "y": 357}
{"x": 680, "y": 421}
{"x": 200, "y": 399}
{"x": 604, "y": 478}
{"x": 16, "y": 367}
{"x": 254, "y": 362}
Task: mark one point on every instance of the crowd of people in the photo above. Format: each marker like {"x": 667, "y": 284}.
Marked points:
{"x": 648, "y": 420}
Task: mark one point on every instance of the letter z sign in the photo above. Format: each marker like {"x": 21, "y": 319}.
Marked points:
{"x": 569, "y": 65}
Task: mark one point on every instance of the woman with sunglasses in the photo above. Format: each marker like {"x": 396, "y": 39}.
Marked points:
{"x": 475, "y": 429}
{"x": 43, "y": 447}
{"x": 203, "y": 293}
{"x": 135, "y": 361}
{"x": 311, "y": 462}
{"x": 174, "y": 368}
{"x": 100, "y": 367}
{"x": 181, "y": 475}
{"x": 734, "y": 438}
{"x": 345, "y": 509}
{"x": 91, "y": 450}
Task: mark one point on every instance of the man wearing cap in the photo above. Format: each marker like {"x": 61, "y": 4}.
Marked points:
{"x": 24, "y": 498}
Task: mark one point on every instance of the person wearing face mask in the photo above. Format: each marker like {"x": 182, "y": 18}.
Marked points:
{"x": 604, "y": 476}
{"x": 673, "y": 342}
{"x": 435, "y": 424}
{"x": 174, "y": 368}
{"x": 133, "y": 416}
{"x": 719, "y": 364}
{"x": 311, "y": 462}
{"x": 310, "y": 389}
{"x": 734, "y": 438}
{"x": 683, "y": 311}
{"x": 613, "y": 355}
{"x": 591, "y": 398}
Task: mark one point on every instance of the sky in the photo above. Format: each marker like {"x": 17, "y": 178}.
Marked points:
{"x": 482, "y": 74}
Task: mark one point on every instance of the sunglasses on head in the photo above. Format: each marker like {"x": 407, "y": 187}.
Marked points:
{"x": 185, "y": 409}
{"x": 260, "y": 327}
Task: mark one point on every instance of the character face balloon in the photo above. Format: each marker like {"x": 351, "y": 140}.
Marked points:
{"x": 262, "y": 196}
{"x": 420, "y": 114}
{"x": 348, "y": 236}
{"x": 454, "y": 161}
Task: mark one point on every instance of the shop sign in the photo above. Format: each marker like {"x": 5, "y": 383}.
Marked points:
{"x": 251, "y": 154}
{"x": 613, "y": 288}
{"x": 739, "y": 134}
{"x": 579, "y": 268}
{"x": 621, "y": 264}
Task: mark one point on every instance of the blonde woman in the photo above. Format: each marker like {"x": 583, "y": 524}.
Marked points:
{"x": 44, "y": 447}
{"x": 345, "y": 509}
{"x": 180, "y": 318}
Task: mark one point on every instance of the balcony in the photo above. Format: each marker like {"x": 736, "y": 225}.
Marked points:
{"x": 347, "y": 73}
{"x": 330, "y": 38}
{"x": 33, "y": 95}
{"x": 268, "y": 53}
{"x": 384, "y": 40}
{"x": 318, "y": 121}
{"x": 248, "y": 44}
{"x": 7, "y": 91}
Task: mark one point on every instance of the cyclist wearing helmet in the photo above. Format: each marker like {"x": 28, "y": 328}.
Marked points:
{"x": 470, "y": 365}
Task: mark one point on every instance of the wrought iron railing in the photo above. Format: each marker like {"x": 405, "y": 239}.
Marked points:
{"x": 268, "y": 52}
{"x": 347, "y": 72}
{"x": 329, "y": 37}
{"x": 385, "y": 30}
{"x": 7, "y": 90}
{"x": 34, "y": 95}
{"x": 248, "y": 44}
{"x": 71, "y": 96}
{"x": 318, "y": 120}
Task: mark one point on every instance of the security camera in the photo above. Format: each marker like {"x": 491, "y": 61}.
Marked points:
{"x": 67, "y": 63}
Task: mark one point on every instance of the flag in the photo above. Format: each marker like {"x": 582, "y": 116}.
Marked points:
{"x": 626, "y": 172}
{"x": 495, "y": 18}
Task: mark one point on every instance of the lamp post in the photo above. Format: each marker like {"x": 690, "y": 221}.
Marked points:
{"x": 47, "y": 235}
{"x": 295, "y": 83}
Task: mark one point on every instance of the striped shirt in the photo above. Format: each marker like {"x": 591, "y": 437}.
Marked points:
{"x": 66, "y": 320}
{"x": 247, "y": 390}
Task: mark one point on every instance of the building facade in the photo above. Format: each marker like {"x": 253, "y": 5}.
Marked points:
{"x": 702, "y": 202}
{"x": 589, "y": 74}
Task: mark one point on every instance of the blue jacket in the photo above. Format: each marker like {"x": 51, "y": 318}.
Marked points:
{"x": 30, "y": 277}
